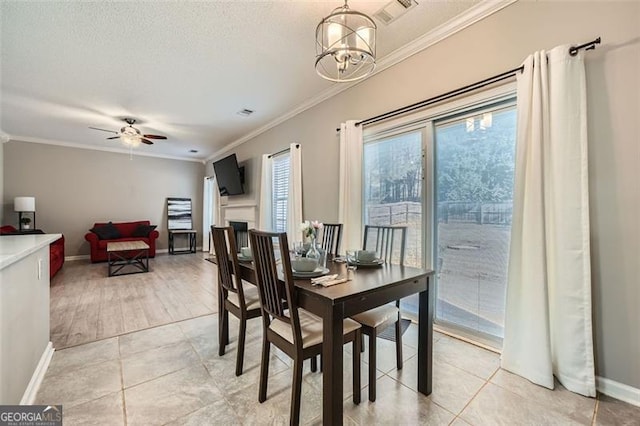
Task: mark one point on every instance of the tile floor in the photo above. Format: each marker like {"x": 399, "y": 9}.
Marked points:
{"x": 172, "y": 374}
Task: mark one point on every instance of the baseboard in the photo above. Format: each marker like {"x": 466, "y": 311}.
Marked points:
{"x": 618, "y": 390}
{"x": 30, "y": 393}
{"x": 87, "y": 257}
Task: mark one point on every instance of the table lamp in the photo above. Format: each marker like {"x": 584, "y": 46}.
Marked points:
{"x": 25, "y": 205}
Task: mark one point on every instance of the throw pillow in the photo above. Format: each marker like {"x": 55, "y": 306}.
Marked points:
{"x": 106, "y": 232}
{"x": 143, "y": 230}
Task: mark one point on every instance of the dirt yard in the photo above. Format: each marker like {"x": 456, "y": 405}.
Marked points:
{"x": 473, "y": 275}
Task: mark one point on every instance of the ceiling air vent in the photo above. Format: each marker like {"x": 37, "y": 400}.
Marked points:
{"x": 393, "y": 10}
{"x": 245, "y": 112}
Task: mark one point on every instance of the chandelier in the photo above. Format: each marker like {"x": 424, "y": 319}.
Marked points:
{"x": 345, "y": 45}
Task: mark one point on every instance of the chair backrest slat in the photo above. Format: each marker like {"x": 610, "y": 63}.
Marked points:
{"x": 331, "y": 236}
{"x": 276, "y": 297}
{"x": 224, "y": 245}
{"x": 387, "y": 241}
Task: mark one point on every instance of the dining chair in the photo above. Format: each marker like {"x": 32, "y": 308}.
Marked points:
{"x": 331, "y": 236}
{"x": 293, "y": 330}
{"x": 389, "y": 244}
{"x": 243, "y": 302}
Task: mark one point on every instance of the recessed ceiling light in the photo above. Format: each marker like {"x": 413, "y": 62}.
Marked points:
{"x": 245, "y": 112}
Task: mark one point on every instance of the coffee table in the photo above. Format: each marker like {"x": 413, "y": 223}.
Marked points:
{"x": 127, "y": 253}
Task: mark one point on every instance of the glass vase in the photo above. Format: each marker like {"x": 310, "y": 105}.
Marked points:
{"x": 316, "y": 253}
{"x": 313, "y": 252}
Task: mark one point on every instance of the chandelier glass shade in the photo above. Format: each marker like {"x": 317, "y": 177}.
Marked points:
{"x": 345, "y": 45}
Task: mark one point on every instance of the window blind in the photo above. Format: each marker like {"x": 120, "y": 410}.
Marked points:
{"x": 280, "y": 187}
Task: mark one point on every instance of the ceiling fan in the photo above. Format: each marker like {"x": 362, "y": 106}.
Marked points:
{"x": 130, "y": 135}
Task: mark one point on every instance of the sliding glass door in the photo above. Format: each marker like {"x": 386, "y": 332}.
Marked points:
{"x": 447, "y": 174}
{"x": 473, "y": 200}
{"x": 393, "y": 190}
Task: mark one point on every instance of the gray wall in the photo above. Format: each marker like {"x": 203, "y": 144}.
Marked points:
{"x": 494, "y": 45}
{"x": 74, "y": 188}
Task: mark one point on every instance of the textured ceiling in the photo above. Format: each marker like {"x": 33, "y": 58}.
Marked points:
{"x": 183, "y": 69}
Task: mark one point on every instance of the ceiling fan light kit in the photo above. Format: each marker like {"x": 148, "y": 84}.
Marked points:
{"x": 345, "y": 45}
{"x": 130, "y": 136}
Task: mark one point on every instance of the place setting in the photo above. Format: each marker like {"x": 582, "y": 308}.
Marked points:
{"x": 363, "y": 258}
{"x": 305, "y": 267}
{"x": 309, "y": 262}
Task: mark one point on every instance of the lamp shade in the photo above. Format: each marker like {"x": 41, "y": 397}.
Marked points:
{"x": 24, "y": 204}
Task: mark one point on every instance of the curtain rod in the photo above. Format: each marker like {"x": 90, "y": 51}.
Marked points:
{"x": 283, "y": 151}
{"x": 573, "y": 50}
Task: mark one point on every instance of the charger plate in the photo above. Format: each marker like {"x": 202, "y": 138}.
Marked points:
{"x": 313, "y": 274}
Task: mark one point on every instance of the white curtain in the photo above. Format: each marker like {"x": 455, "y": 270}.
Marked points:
{"x": 548, "y": 328}
{"x": 294, "y": 199}
{"x": 266, "y": 209}
{"x": 350, "y": 189}
{"x": 206, "y": 212}
{"x": 211, "y": 214}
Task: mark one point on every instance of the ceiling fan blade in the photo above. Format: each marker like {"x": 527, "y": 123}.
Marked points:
{"x": 114, "y": 137}
{"x": 154, "y": 137}
{"x": 103, "y": 130}
{"x": 148, "y": 142}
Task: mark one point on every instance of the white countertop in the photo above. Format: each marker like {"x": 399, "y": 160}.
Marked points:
{"x": 16, "y": 247}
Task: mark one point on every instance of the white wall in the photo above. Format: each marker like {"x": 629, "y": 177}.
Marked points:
{"x": 74, "y": 188}
{"x": 24, "y": 322}
{"x": 494, "y": 45}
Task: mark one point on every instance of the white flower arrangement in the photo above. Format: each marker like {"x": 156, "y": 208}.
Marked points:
{"x": 310, "y": 229}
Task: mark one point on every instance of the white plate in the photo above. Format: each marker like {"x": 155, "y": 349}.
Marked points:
{"x": 313, "y": 274}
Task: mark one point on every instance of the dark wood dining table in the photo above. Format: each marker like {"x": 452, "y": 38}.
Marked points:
{"x": 370, "y": 287}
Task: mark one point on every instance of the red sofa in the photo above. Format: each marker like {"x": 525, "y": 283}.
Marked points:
{"x": 56, "y": 250}
{"x": 99, "y": 247}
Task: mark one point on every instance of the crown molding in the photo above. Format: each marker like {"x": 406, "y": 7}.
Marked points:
{"x": 43, "y": 141}
{"x": 471, "y": 16}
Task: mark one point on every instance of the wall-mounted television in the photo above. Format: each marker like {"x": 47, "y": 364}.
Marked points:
{"x": 229, "y": 176}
